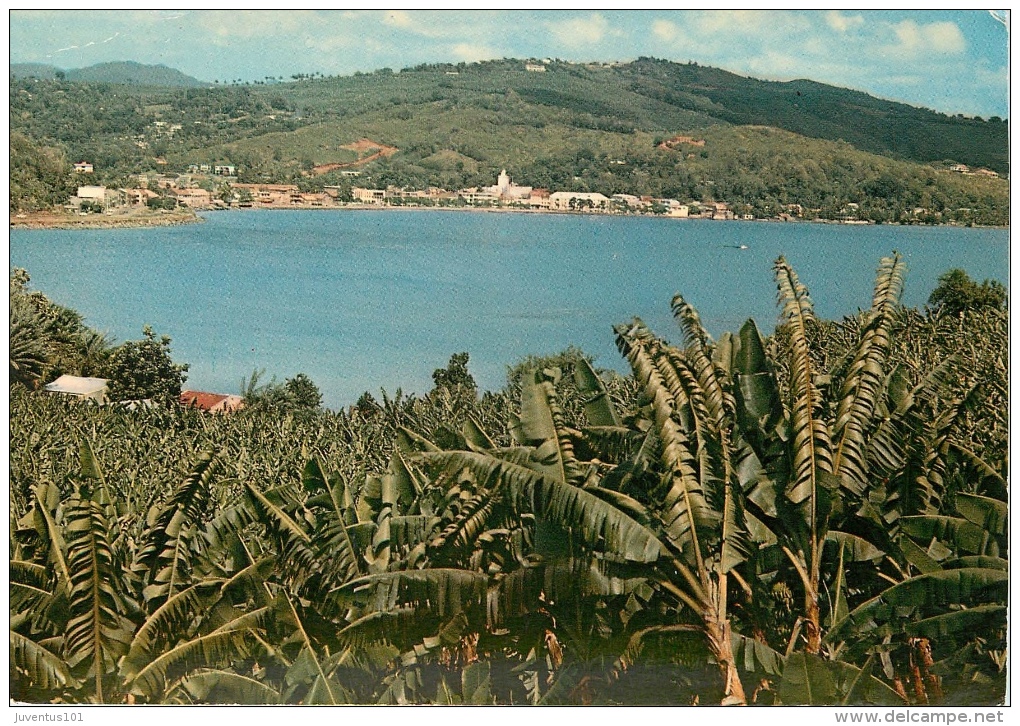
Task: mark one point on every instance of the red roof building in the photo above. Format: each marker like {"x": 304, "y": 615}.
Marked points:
{"x": 211, "y": 402}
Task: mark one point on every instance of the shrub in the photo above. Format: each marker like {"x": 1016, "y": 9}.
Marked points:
{"x": 143, "y": 369}
{"x": 956, "y": 292}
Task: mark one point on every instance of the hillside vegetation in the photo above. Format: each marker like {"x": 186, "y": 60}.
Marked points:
{"x": 573, "y": 127}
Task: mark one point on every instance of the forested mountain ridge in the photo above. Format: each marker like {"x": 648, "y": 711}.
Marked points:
{"x": 577, "y": 127}
{"x": 123, "y": 72}
{"x": 822, "y": 111}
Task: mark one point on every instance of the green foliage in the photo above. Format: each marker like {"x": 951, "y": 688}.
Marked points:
{"x": 455, "y": 375}
{"x": 957, "y": 293}
{"x": 47, "y": 339}
{"x": 27, "y": 338}
{"x": 41, "y": 177}
{"x": 297, "y": 394}
{"x": 819, "y": 516}
{"x": 168, "y": 203}
{"x": 143, "y": 369}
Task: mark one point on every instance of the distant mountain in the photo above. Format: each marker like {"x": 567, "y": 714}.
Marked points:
{"x": 33, "y": 70}
{"x": 135, "y": 74}
{"x": 120, "y": 72}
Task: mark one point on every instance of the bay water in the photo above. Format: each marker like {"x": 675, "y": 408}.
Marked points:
{"x": 369, "y": 300}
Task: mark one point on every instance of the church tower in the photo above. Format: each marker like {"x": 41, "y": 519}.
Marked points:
{"x": 503, "y": 184}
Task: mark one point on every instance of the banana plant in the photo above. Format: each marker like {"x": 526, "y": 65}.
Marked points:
{"x": 81, "y": 630}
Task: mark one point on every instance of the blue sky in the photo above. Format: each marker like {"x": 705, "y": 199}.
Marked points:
{"x": 952, "y": 61}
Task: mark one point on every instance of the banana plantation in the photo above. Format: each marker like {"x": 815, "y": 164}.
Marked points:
{"x": 816, "y": 515}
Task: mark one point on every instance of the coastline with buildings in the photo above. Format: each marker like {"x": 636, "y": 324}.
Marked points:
{"x": 169, "y": 199}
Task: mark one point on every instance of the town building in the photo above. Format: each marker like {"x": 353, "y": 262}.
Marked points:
{"x": 539, "y": 198}
{"x": 211, "y": 402}
{"x": 94, "y": 195}
{"x": 578, "y": 201}
{"x": 506, "y": 190}
{"x": 628, "y": 201}
{"x": 269, "y": 195}
{"x": 195, "y": 198}
{"x": 479, "y": 196}
{"x": 369, "y": 196}
{"x": 83, "y": 167}
{"x": 138, "y": 196}
{"x": 720, "y": 210}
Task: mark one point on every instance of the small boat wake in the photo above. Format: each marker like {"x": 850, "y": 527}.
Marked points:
{"x": 737, "y": 247}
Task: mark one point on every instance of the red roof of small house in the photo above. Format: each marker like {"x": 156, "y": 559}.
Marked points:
{"x": 202, "y": 400}
{"x": 213, "y": 402}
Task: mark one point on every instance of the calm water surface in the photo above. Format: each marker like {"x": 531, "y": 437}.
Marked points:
{"x": 368, "y": 300}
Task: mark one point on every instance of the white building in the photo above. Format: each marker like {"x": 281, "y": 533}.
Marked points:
{"x": 368, "y": 196}
{"x": 581, "y": 200}
{"x": 506, "y": 189}
{"x": 91, "y": 389}
{"x": 629, "y": 199}
{"x": 97, "y": 194}
{"x": 479, "y": 196}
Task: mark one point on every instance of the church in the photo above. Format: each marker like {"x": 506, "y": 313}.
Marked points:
{"x": 505, "y": 189}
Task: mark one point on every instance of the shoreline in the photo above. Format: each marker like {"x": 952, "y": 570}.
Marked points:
{"x": 355, "y": 207}
{"x": 59, "y": 220}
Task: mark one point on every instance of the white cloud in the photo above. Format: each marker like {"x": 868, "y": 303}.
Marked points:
{"x": 749, "y": 22}
{"x": 246, "y": 24}
{"x": 470, "y": 52}
{"x": 915, "y": 39}
{"x": 665, "y": 29}
{"x": 842, "y": 23}
{"x": 581, "y": 31}
{"x": 777, "y": 65}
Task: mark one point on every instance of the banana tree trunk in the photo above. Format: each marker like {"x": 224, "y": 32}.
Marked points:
{"x": 812, "y": 626}
{"x": 812, "y": 617}
{"x": 720, "y": 642}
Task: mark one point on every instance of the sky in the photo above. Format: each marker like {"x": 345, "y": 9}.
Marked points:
{"x": 950, "y": 61}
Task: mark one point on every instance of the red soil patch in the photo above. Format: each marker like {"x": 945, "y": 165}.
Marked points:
{"x": 360, "y": 146}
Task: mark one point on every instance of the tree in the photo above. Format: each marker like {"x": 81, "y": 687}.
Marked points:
{"x": 455, "y": 375}
{"x": 143, "y": 369}
{"x": 295, "y": 394}
{"x": 167, "y": 202}
{"x": 956, "y": 292}
{"x": 29, "y": 355}
{"x": 303, "y": 393}
{"x": 47, "y": 339}
{"x": 40, "y": 176}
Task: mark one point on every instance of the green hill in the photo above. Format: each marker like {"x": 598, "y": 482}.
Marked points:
{"x": 34, "y": 70}
{"x": 120, "y": 72}
{"x": 579, "y": 127}
{"x": 128, "y": 72}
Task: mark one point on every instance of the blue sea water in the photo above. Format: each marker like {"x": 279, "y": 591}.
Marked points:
{"x": 370, "y": 300}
